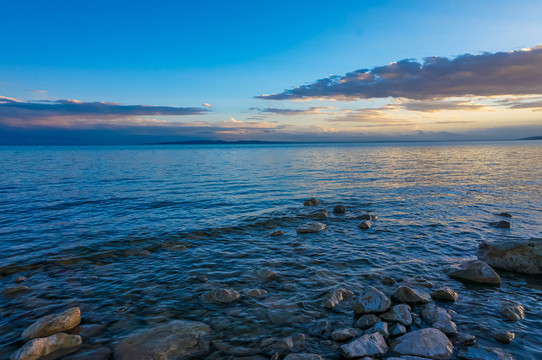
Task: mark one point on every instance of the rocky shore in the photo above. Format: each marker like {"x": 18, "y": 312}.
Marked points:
{"x": 400, "y": 318}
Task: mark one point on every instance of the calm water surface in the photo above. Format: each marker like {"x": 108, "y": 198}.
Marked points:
{"x": 128, "y": 233}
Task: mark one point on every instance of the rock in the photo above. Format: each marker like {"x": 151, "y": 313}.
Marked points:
{"x": 482, "y": 353}
{"x": 366, "y": 321}
{"x": 439, "y": 318}
{"x": 52, "y": 324}
{"x": 277, "y": 233}
{"x": 15, "y": 289}
{"x": 419, "y": 281}
{"x": 266, "y": 275}
{"x": 464, "y": 340}
{"x": 177, "y": 340}
{"x": 52, "y": 347}
{"x": 100, "y": 353}
{"x": 513, "y": 312}
{"x": 303, "y": 357}
{"x": 523, "y": 256}
{"x": 405, "y": 294}
{"x": 387, "y": 280}
{"x": 337, "y": 296}
{"x": 311, "y": 227}
{"x": 445, "y": 294}
{"x": 311, "y": 202}
{"x": 367, "y": 345}
{"x": 368, "y": 217}
{"x": 504, "y": 214}
{"x": 397, "y": 330}
{"x": 503, "y": 224}
{"x": 398, "y": 313}
{"x": 365, "y": 224}
{"x": 342, "y": 335}
{"x": 223, "y": 296}
{"x": 319, "y": 214}
{"x": 20, "y": 279}
{"x": 380, "y": 327}
{"x": 475, "y": 271}
{"x": 430, "y": 343}
{"x": 503, "y": 336}
{"x": 256, "y": 293}
{"x": 339, "y": 209}
{"x": 372, "y": 301}
{"x": 291, "y": 344}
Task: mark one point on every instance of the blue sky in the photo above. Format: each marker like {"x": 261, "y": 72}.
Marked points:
{"x": 226, "y": 54}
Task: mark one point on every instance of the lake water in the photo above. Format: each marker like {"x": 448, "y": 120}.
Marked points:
{"x": 130, "y": 234}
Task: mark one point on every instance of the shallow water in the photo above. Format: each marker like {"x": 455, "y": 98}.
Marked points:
{"x": 127, "y": 233}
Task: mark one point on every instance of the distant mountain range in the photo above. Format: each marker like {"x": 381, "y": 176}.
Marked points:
{"x": 219, "y": 142}
{"x": 532, "y": 138}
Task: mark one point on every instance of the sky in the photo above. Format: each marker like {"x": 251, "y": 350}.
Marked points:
{"x": 132, "y": 72}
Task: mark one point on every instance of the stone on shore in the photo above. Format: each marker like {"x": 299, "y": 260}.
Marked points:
{"x": 482, "y": 353}
{"x": 381, "y": 328}
{"x": 445, "y": 294}
{"x": 439, "y": 318}
{"x": 311, "y": 227}
{"x": 523, "y": 256}
{"x": 342, "y": 335}
{"x": 428, "y": 343}
{"x": 311, "y": 202}
{"x": 475, "y": 271}
{"x": 398, "y": 314}
{"x": 366, "y": 321}
{"x": 365, "y": 224}
{"x": 177, "y": 340}
{"x": 223, "y": 296}
{"x": 337, "y": 296}
{"x": 339, "y": 209}
{"x": 513, "y": 312}
{"x": 50, "y": 347}
{"x": 372, "y": 301}
{"x": 405, "y": 294}
{"x": 397, "y": 330}
{"x": 52, "y": 324}
{"x": 367, "y": 345}
{"x": 277, "y": 233}
{"x": 503, "y": 336}
{"x": 303, "y": 357}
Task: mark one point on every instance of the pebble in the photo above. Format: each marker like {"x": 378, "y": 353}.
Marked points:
{"x": 319, "y": 214}
{"x": 15, "y": 289}
{"x": 368, "y": 217}
{"x": 505, "y": 214}
{"x": 303, "y": 357}
{"x": 380, "y": 327}
{"x": 20, "y": 279}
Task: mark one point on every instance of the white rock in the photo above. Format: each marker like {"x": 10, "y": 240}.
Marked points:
{"x": 430, "y": 343}
{"x": 524, "y": 256}
{"x": 367, "y": 345}
{"x": 372, "y": 301}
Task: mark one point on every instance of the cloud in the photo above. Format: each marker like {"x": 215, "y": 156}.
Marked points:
{"x": 487, "y": 74}
{"x": 440, "y": 105}
{"x": 5, "y": 100}
{"x": 39, "y": 91}
{"x": 315, "y": 110}
{"x": 206, "y": 105}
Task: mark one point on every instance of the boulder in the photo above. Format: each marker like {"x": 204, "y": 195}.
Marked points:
{"x": 365, "y": 224}
{"x": 337, "y": 296}
{"x": 339, "y": 209}
{"x": 475, "y": 271}
{"x": 50, "y": 347}
{"x": 367, "y": 345}
{"x": 445, "y": 294}
{"x": 398, "y": 313}
{"x": 311, "y": 227}
{"x": 405, "y": 294}
{"x": 177, "y": 340}
{"x": 52, "y": 324}
{"x": 366, "y": 321}
{"x": 311, "y": 202}
{"x": 523, "y": 256}
{"x": 513, "y": 312}
{"x": 303, "y": 357}
{"x": 372, "y": 301}
{"x": 342, "y": 335}
{"x": 222, "y": 296}
{"x": 503, "y": 336}
{"x": 482, "y": 353}
{"x": 429, "y": 343}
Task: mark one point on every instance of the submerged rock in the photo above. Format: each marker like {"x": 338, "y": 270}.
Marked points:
{"x": 223, "y": 296}
{"x": 524, "y": 256}
{"x": 405, "y": 294}
{"x": 368, "y": 217}
{"x": 337, "y": 296}
{"x": 15, "y": 289}
{"x": 475, "y": 271}
{"x": 504, "y": 214}
{"x": 483, "y": 353}
{"x": 464, "y": 340}
{"x": 311, "y": 227}
{"x": 20, "y": 279}
{"x": 277, "y": 233}
{"x": 429, "y": 343}
{"x": 311, "y": 202}
{"x": 52, "y": 324}
{"x": 266, "y": 275}
{"x": 503, "y": 224}
{"x": 503, "y": 336}
{"x": 387, "y": 280}
{"x": 367, "y": 345}
{"x": 319, "y": 214}
{"x": 178, "y": 340}
{"x": 445, "y": 294}
{"x": 339, "y": 209}
{"x": 372, "y": 301}
{"x": 365, "y": 224}
{"x": 513, "y": 312}
{"x": 256, "y": 293}
{"x": 398, "y": 313}
{"x": 51, "y": 347}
